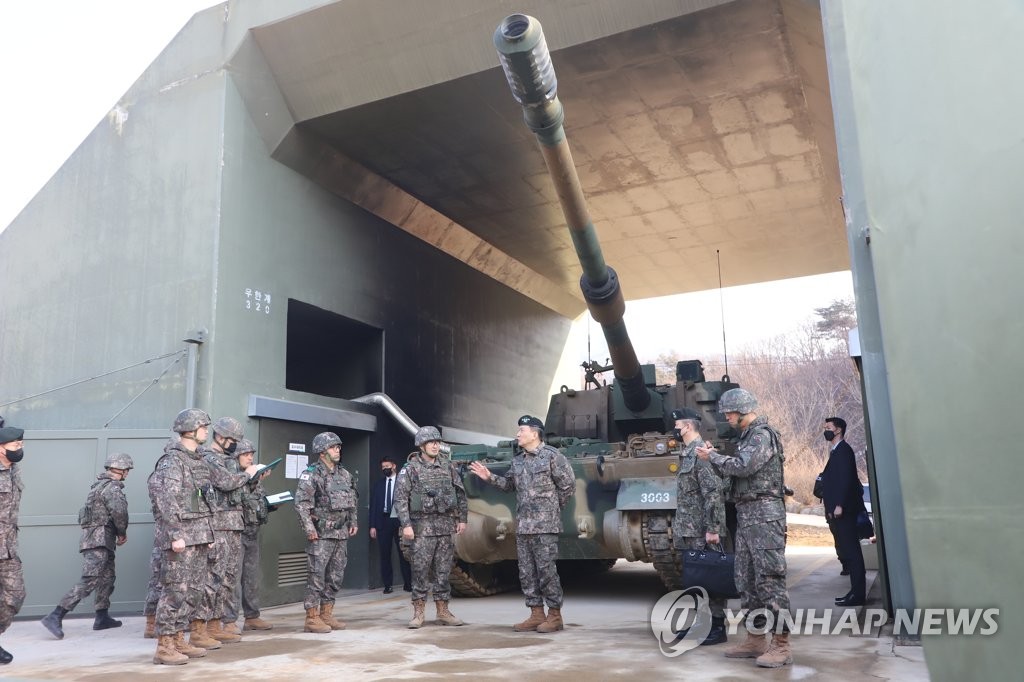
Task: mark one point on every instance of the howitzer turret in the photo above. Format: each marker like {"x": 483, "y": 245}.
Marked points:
{"x": 618, "y": 438}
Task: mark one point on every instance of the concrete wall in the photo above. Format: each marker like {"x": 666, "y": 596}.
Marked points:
{"x": 930, "y": 145}
{"x": 160, "y": 221}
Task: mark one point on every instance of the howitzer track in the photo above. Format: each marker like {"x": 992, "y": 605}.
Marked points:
{"x": 478, "y": 580}
{"x": 657, "y": 537}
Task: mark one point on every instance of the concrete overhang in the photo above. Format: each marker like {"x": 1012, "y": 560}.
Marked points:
{"x": 696, "y": 127}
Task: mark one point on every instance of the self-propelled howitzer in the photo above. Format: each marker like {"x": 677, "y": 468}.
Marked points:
{"x": 618, "y": 438}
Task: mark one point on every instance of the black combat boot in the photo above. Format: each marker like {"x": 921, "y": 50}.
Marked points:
{"x": 104, "y": 621}
{"x": 54, "y": 622}
{"x": 5, "y": 656}
{"x": 717, "y": 634}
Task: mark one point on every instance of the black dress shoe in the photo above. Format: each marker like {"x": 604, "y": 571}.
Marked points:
{"x": 844, "y": 572}
{"x": 407, "y": 588}
{"x": 5, "y": 656}
{"x": 388, "y": 590}
{"x": 845, "y": 596}
{"x": 850, "y": 601}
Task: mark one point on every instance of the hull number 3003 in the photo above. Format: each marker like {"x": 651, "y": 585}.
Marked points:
{"x": 648, "y": 498}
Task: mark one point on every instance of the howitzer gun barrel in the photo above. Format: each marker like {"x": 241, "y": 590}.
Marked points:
{"x": 526, "y": 61}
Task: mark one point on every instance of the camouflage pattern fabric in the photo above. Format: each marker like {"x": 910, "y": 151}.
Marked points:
{"x": 326, "y": 559}
{"x": 700, "y": 505}
{"x": 12, "y": 580}
{"x": 97, "y": 576}
{"x": 223, "y": 560}
{"x": 432, "y": 557}
{"x": 538, "y": 577}
{"x": 757, "y": 471}
{"x": 325, "y": 501}
{"x": 544, "y": 483}
{"x": 159, "y": 534}
{"x": 430, "y": 496}
{"x": 107, "y": 515}
{"x": 182, "y": 575}
{"x": 179, "y": 488}
{"x": 153, "y": 588}
{"x": 247, "y": 585}
{"x": 228, "y": 484}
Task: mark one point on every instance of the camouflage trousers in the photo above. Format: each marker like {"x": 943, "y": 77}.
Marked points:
{"x": 682, "y": 544}
{"x": 537, "y": 574}
{"x": 97, "y": 576}
{"x": 223, "y": 563}
{"x": 12, "y": 591}
{"x": 153, "y": 588}
{"x": 761, "y": 566}
{"x": 432, "y": 557}
{"x": 247, "y": 590}
{"x": 325, "y": 561}
{"x": 182, "y": 576}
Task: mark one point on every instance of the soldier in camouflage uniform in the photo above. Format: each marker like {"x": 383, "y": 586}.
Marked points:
{"x": 757, "y": 471}
{"x": 156, "y": 556}
{"x": 181, "y": 488}
{"x": 255, "y": 511}
{"x": 544, "y": 482}
{"x": 325, "y": 501}
{"x": 699, "y": 520}
{"x": 430, "y": 501}
{"x": 226, "y": 501}
{"x": 104, "y": 521}
{"x": 12, "y": 580}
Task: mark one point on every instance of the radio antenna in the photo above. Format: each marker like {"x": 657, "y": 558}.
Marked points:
{"x": 721, "y": 303}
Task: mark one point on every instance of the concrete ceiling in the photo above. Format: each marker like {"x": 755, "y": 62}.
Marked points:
{"x": 709, "y": 130}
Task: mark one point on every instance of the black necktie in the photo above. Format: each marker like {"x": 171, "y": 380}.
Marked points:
{"x": 387, "y": 498}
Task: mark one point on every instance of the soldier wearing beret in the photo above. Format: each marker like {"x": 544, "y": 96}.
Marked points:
{"x": 544, "y": 482}
{"x": 699, "y": 520}
{"x": 12, "y": 581}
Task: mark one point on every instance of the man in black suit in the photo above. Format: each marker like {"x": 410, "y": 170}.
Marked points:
{"x": 384, "y": 528}
{"x": 844, "y": 500}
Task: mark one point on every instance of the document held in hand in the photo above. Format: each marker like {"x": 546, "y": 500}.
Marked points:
{"x": 279, "y": 498}
{"x": 267, "y": 467}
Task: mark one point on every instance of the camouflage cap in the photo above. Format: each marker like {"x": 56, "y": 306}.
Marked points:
{"x": 425, "y": 434}
{"x": 227, "y": 427}
{"x": 244, "y": 447}
{"x": 687, "y": 413}
{"x": 119, "y": 460}
{"x": 737, "y": 400}
{"x": 190, "y": 419}
{"x": 322, "y": 441}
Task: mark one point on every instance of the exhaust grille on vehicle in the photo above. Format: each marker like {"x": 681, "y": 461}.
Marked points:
{"x": 291, "y": 569}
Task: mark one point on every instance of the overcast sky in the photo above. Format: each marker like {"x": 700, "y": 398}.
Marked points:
{"x": 65, "y": 63}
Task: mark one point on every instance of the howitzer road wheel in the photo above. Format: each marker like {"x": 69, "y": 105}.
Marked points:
{"x": 657, "y": 537}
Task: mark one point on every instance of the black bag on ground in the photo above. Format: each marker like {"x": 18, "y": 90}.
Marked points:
{"x": 710, "y": 569}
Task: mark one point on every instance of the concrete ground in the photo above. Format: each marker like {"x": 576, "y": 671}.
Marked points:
{"x": 607, "y": 637}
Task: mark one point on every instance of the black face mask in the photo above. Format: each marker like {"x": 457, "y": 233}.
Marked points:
{"x": 230, "y": 449}
{"x": 14, "y": 456}
{"x": 830, "y": 436}
{"x": 388, "y": 471}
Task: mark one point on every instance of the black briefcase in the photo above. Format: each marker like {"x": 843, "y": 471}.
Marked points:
{"x": 712, "y": 570}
